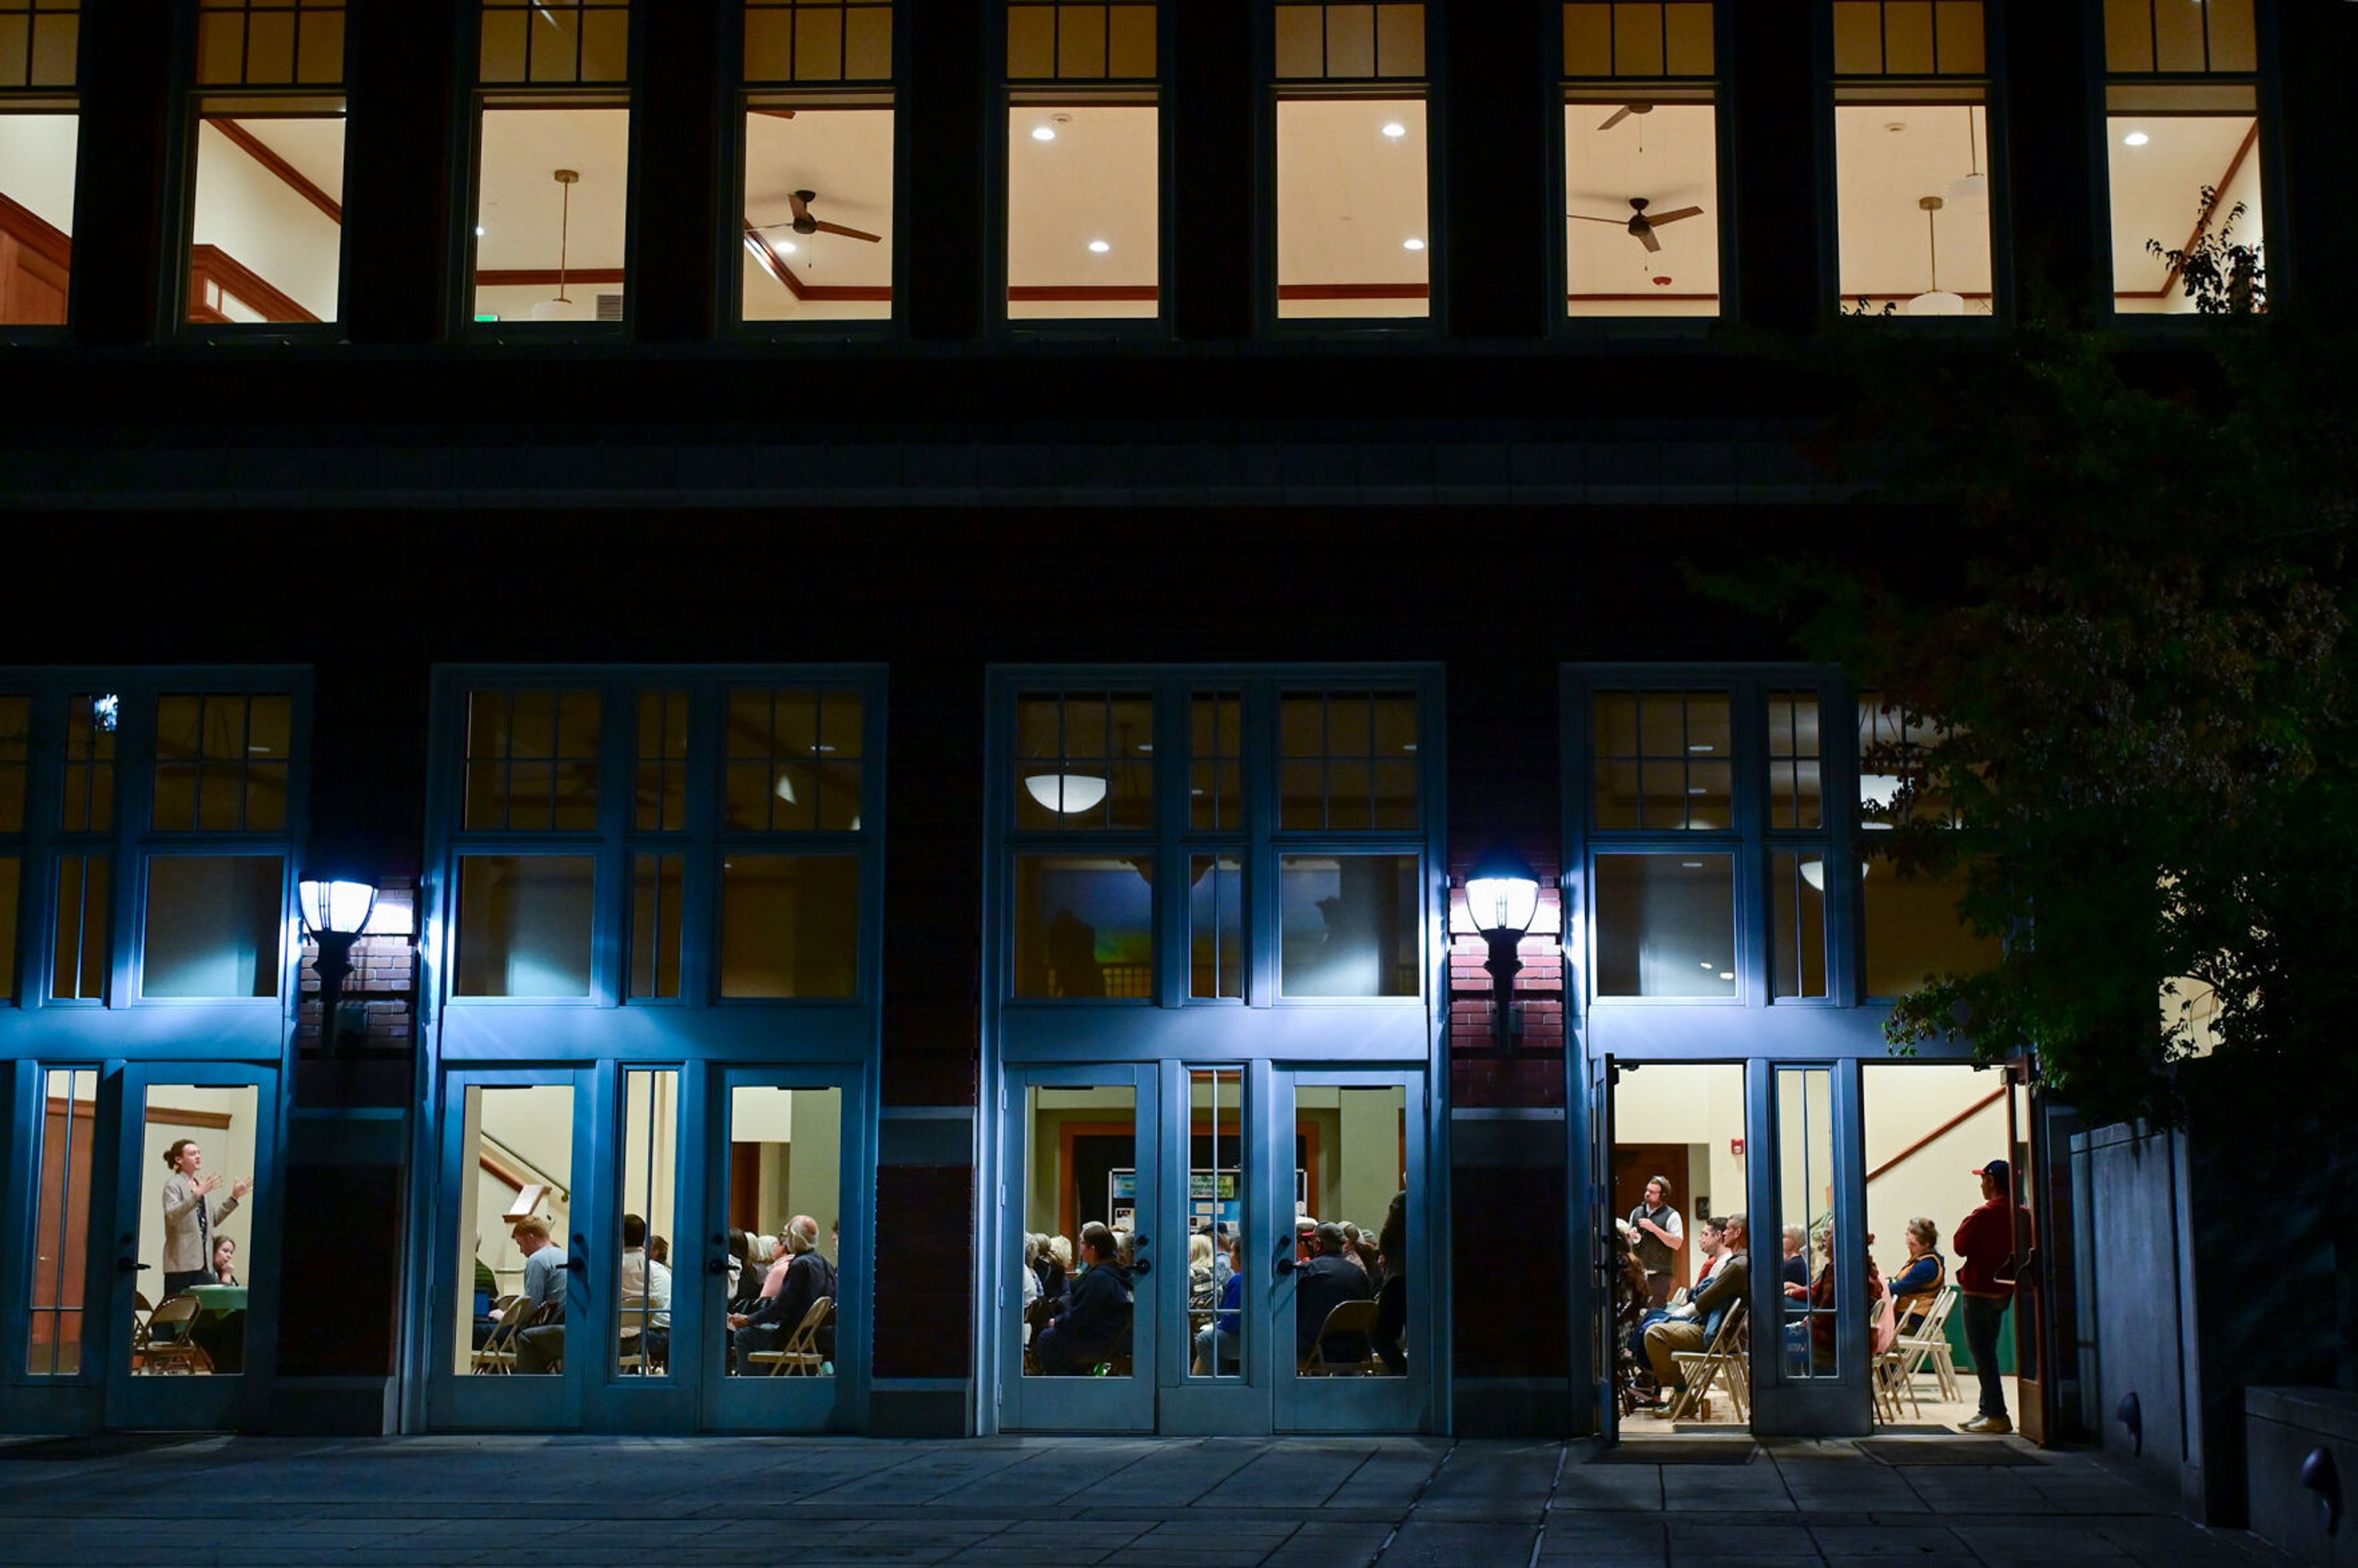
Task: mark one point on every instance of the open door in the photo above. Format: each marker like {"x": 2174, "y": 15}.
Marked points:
{"x": 1604, "y": 1253}
{"x": 2024, "y": 1156}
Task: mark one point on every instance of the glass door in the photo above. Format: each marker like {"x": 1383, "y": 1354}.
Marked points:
{"x": 1351, "y": 1319}
{"x": 192, "y": 1329}
{"x": 1217, "y": 1367}
{"x": 1810, "y": 1371}
{"x": 1078, "y": 1346}
{"x": 779, "y": 1320}
{"x": 1607, "y": 1275}
{"x": 520, "y": 1234}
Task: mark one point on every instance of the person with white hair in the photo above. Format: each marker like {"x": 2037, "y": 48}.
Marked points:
{"x": 802, "y": 1276}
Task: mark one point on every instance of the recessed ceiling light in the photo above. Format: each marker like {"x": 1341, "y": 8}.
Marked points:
{"x": 478, "y": 231}
{"x": 1043, "y": 133}
{"x": 1394, "y": 129}
{"x": 1412, "y": 244}
{"x": 2137, "y": 138}
{"x": 1727, "y": 974}
{"x": 1099, "y": 246}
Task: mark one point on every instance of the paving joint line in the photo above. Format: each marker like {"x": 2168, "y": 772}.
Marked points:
{"x": 1413, "y": 1504}
{"x": 1555, "y": 1484}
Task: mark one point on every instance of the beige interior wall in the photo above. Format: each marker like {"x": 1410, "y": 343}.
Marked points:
{"x": 535, "y": 1122}
{"x": 259, "y": 220}
{"x": 37, "y": 165}
{"x": 1904, "y": 1102}
{"x": 1698, "y": 1105}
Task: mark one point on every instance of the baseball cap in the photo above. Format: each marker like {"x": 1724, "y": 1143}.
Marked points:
{"x": 1996, "y": 1170}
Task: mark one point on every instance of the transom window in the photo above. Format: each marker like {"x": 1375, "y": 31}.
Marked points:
{"x": 1641, "y": 159}
{"x": 735, "y": 867}
{"x": 818, "y": 40}
{"x": 39, "y": 43}
{"x": 279, "y": 43}
{"x": 1298, "y": 868}
{"x": 1663, "y": 759}
{"x": 179, "y": 806}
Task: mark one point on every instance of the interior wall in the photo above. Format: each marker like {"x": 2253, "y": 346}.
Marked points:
{"x": 1904, "y": 1102}
{"x": 260, "y": 222}
{"x": 535, "y": 1121}
{"x": 37, "y": 165}
{"x": 1699, "y": 1105}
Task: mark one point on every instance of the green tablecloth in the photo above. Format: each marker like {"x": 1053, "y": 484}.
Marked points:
{"x": 219, "y": 1298}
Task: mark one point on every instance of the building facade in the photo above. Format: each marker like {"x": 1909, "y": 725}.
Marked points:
{"x": 930, "y": 640}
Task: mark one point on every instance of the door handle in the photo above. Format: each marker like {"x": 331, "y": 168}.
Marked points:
{"x": 129, "y": 1266}
{"x": 1140, "y": 1243}
{"x": 1143, "y": 1267}
{"x": 577, "y": 1263}
{"x": 1285, "y": 1265}
{"x": 717, "y": 1266}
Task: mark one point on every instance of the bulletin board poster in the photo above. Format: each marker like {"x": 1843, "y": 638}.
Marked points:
{"x": 1121, "y": 1198}
{"x": 1215, "y": 1201}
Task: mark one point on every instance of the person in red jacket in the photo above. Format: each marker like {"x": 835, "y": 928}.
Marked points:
{"x": 1987, "y": 1241}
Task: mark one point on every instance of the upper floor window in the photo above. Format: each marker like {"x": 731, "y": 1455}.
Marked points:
{"x": 1083, "y": 160}
{"x": 733, "y": 867}
{"x": 552, "y": 160}
{"x": 1640, "y": 160}
{"x": 1352, "y": 161}
{"x": 2183, "y": 141}
{"x": 1911, "y": 157}
{"x": 1295, "y": 868}
{"x": 818, "y": 160}
{"x": 266, "y": 232}
{"x": 39, "y": 129}
{"x": 147, "y": 830}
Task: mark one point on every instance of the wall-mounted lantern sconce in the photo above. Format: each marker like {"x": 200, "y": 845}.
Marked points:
{"x": 335, "y": 914}
{"x": 1503, "y": 895}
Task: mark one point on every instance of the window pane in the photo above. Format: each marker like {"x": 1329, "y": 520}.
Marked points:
{"x": 1361, "y": 1180}
{"x": 1216, "y": 926}
{"x": 81, "y": 945}
{"x": 523, "y": 925}
{"x": 196, "y": 1244}
{"x": 1668, "y": 153}
{"x": 662, "y": 803}
{"x": 532, "y": 760}
{"x": 37, "y": 173}
{"x": 11, "y": 889}
{"x": 514, "y": 1228}
{"x": 1662, "y": 760}
{"x": 547, "y": 250}
{"x": 1085, "y": 760}
{"x": 836, "y": 160}
{"x": 554, "y": 41}
{"x": 1214, "y": 755}
{"x": 15, "y": 753}
{"x": 789, "y": 926}
{"x": 1084, "y": 925}
{"x": 786, "y": 1165}
{"x": 221, "y": 762}
{"x": 1350, "y": 761}
{"x": 650, "y": 1179}
{"x": 1794, "y": 785}
{"x": 1913, "y": 930}
{"x": 1084, "y": 205}
{"x": 1805, "y": 1164}
{"x": 214, "y": 926}
{"x": 1349, "y": 926}
{"x": 266, "y": 235}
{"x": 61, "y": 1223}
{"x": 1665, "y": 926}
{"x": 1797, "y": 890}
{"x": 2156, "y": 187}
{"x": 655, "y": 886}
{"x": 794, "y": 760}
{"x": 1352, "y": 229}
{"x": 1086, "y": 1175}
{"x": 1214, "y": 1328}
{"x": 1891, "y": 162}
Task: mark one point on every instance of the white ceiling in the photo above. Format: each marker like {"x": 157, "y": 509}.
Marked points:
{"x": 521, "y": 201}
{"x": 314, "y": 145}
{"x": 844, "y": 156}
{"x": 1348, "y": 195}
{"x": 1099, "y": 179}
{"x": 2158, "y": 188}
{"x": 1880, "y": 175}
{"x": 1669, "y": 157}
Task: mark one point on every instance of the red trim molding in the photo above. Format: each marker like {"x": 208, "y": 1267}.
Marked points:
{"x": 212, "y": 272}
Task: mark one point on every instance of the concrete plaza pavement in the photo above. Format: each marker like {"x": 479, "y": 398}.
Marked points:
{"x": 1307, "y": 1502}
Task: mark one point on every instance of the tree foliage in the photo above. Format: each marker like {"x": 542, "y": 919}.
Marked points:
{"x": 2126, "y": 608}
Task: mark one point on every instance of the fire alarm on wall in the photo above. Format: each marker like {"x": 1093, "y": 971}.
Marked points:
{"x": 1736, "y": 1148}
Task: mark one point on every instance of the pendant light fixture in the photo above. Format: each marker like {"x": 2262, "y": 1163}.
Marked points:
{"x": 1974, "y": 187}
{"x": 1936, "y": 300}
{"x": 561, "y": 308}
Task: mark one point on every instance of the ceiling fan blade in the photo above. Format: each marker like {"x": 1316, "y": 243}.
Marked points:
{"x": 827, "y": 228}
{"x": 1616, "y": 222}
{"x": 1646, "y": 238}
{"x": 800, "y": 201}
{"x": 1673, "y": 217}
{"x": 776, "y": 114}
{"x": 1619, "y": 115}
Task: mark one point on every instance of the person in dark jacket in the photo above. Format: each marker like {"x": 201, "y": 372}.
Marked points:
{"x": 1391, "y": 1299}
{"x": 808, "y": 1277}
{"x": 1325, "y": 1282}
{"x": 1094, "y": 1324}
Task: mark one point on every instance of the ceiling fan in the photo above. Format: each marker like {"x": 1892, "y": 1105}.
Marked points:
{"x": 1624, "y": 112}
{"x": 1642, "y": 225}
{"x": 804, "y": 223}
